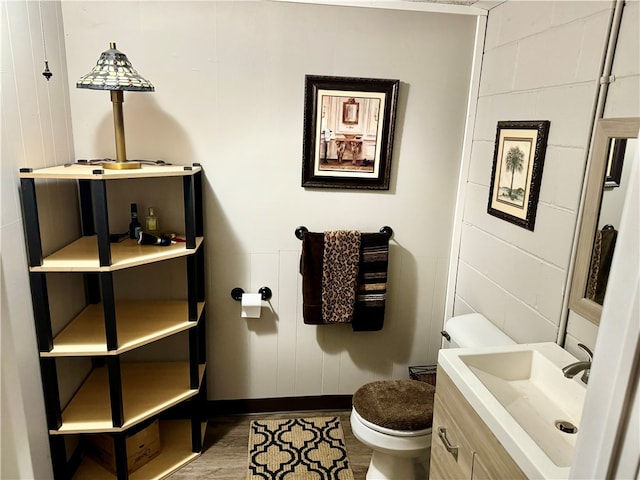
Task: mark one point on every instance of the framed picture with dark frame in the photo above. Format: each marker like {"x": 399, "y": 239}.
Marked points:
{"x": 348, "y": 132}
{"x": 518, "y": 160}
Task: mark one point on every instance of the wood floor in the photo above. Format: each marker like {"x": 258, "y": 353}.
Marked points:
{"x": 226, "y": 444}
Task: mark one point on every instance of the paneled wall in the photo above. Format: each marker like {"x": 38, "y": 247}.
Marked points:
{"x": 623, "y": 100}
{"x": 36, "y": 132}
{"x": 541, "y": 62}
{"x": 229, "y": 80}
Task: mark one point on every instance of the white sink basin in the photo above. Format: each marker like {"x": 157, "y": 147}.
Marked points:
{"x": 521, "y": 393}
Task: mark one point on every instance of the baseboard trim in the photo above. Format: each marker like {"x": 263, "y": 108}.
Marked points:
{"x": 285, "y": 404}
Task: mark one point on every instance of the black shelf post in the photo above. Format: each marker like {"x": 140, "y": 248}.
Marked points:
{"x": 202, "y": 337}
{"x": 91, "y": 282}
{"x": 194, "y": 355}
{"x": 120, "y": 452}
{"x": 59, "y": 457}
{"x": 189, "y": 189}
{"x": 115, "y": 390}
{"x": 49, "y": 375}
{"x": 41, "y": 312}
{"x": 199, "y": 205}
{"x": 197, "y": 417}
{"x": 31, "y": 221}
{"x": 86, "y": 208}
{"x": 101, "y": 214}
{"x": 109, "y": 308}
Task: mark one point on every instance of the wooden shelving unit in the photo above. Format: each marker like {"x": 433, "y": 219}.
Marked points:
{"x": 82, "y": 256}
{"x": 139, "y": 323}
{"x": 176, "y": 437}
{"x": 147, "y": 389}
{"x": 117, "y": 397}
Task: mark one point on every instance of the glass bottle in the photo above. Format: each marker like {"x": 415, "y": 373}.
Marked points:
{"x": 151, "y": 222}
{"x": 134, "y": 226}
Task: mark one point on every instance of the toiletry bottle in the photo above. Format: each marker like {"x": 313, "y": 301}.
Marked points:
{"x": 134, "y": 226}
{"x": 151, "y": 222}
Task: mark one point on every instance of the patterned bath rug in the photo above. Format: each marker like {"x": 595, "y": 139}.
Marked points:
{"x": 298, "y": 449}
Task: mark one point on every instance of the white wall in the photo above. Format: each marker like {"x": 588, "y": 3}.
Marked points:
{"x": 623, "y": 100}
{"x": 246, "y": 63}
{"x": 36, "y": 132}
{"x": 609, "y": 442}
{"x": 541, "y": 62}
{"x": 229, "y": 80}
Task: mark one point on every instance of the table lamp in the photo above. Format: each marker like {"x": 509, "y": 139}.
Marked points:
{"x": 114, "y": 72}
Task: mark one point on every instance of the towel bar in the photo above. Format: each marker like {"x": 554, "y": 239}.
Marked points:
{"x": 300, "y": 231}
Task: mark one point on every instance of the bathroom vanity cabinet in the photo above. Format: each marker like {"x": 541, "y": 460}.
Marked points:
{"x": 121, "y": 394}
{"x": 462, "y": 446}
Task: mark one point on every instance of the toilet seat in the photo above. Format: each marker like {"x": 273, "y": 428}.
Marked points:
{"x": 389, "y": 431}
{"x": 395, "y": 405}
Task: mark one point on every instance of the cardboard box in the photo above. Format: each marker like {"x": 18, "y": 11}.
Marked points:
{"x": 141, "y": 447}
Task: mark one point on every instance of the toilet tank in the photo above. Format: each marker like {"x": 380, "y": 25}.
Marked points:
{"x": 473, "y": 330}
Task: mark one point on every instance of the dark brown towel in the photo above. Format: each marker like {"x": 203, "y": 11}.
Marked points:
{"x": 340, "y": 260}
{"x": 311, "y": 270}
{"x": 372, "y": 280}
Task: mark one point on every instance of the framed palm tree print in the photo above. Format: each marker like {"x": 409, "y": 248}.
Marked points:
{"x": 518, "y": 159}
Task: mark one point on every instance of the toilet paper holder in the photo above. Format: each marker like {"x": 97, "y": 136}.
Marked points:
{"x": 265, "y": 292}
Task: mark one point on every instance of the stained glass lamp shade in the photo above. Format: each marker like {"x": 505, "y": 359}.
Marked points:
{"x": 114, "y": 72}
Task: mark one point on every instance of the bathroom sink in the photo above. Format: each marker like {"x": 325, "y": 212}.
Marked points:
{"x": 536, "y": 394}
{"x": 522, "y": 395}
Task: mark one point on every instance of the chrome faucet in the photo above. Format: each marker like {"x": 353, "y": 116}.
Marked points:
{"x": 573, "y": 369}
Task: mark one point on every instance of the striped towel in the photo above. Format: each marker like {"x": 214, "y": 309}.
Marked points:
{"x": 372, "y": 282}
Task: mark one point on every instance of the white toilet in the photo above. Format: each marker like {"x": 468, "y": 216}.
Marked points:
{"x": 393, "y": 417}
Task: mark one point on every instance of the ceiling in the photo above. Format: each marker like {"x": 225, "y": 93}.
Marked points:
{"x": 469, "y": 7}
{"x": 453, "y": 2}
{"x": 484, "y": 4}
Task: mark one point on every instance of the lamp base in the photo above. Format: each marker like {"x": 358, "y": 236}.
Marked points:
{"x": 126, "y": 165}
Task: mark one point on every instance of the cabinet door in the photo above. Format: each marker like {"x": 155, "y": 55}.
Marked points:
{"x": 451, "y": 455}
{"x": 479, "y": 470}
{"x": 495, "y": 465}
{"x": 491, "y": 459}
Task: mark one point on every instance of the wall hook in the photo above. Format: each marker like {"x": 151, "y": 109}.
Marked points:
{"x": 266, "y": 293}
{"x": 388, "y": 231}
{"x": 300, "y": 231}
{"x": 47, "y": 73}
{"x": 236, "y": 294}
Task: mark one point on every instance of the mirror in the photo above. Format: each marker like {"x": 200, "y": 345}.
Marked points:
{"x": 615, "y": 142}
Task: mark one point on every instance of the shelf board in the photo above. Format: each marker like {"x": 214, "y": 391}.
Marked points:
{"x": 175, "y": 452}
{"x": 148, "y": 388}
{"x": 139, "y": 322}
{"x": 82, "y": 255}
{"x": 85, "y": 172}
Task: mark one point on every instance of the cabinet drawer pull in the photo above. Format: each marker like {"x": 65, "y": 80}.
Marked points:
{"x": 442, "y": 433}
